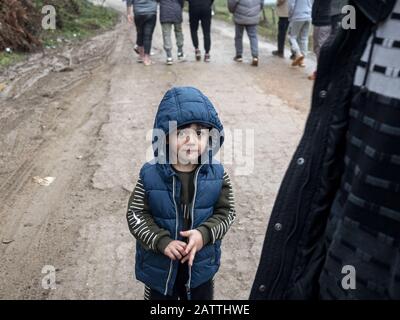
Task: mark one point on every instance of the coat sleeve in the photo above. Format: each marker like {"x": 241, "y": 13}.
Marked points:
{"x": 224, "y": 215}
{"x": 232, "y": 4}
{"x": 141, "y": 223}
{"x": 291, "y": 6}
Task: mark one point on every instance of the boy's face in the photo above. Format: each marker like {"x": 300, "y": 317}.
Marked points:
{"x": 189, "y": 143}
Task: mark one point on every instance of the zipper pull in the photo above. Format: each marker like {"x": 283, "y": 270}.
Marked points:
{"x": 188, "y": 293}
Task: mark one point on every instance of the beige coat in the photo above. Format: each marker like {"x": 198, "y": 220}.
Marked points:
{"x": 282, "y": 9}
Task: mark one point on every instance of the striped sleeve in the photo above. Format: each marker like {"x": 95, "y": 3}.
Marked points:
{"x": 140, "y": 221}
{"x": 224, "y": 213}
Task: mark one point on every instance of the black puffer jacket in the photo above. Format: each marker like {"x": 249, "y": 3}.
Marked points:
{"x": 321, "y": 13}
{"x": 293, "y": 253}
{"x": 200, "y": 4}
{"x": 171, "y": 11}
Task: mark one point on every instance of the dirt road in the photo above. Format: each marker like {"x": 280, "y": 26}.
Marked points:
{"x": 81, "y": 114}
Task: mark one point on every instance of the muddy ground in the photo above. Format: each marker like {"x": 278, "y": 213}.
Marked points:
{"x": 81, "y": 114}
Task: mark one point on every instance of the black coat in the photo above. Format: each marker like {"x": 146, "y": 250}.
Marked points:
{"x": 171, "y": 11}
{"x": 293, "y": 253}
{"x": 321, "y": 13}
{"x": 200, "y": 4}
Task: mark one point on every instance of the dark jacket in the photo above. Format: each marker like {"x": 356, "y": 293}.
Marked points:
{"x": 171, "y": 11}
{"x": 321, "y": 13}
{"x": 293, "y": 253}
{"x": 200, "y": 4}
{"x": 337, "y": 6}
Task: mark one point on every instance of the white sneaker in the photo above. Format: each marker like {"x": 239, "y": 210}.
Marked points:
{"x": 169, "y": 61}
{"x": 181, "y": 57}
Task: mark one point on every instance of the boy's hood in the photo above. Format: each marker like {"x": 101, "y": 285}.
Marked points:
{"x": 186, "y": 105}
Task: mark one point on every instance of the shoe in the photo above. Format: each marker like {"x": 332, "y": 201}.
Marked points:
{"x": 277, "y": 53}
{"x": 292, "y": 56}
{"x": 302, "y": 65}
{"x": 298, "y": 60}
{"x": 197, "y": 54}
{"x": 181, "y": 57}
{"x": 207, "y": 57}
{"x": 312, "y": 76}
{"x": 169, "y": 61}
{"x": 136, "y": 49}
{"x": 238, "y": 58}
{"x": 254, "y": 63}
{"x": 147, "y": 61}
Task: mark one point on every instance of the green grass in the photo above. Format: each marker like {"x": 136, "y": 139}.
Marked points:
{"x": 7, "y": 59}
{"x": 90, "y": 20}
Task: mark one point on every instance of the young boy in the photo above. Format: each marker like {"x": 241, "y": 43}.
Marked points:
{"x": 171, "y": 15}
{"x": 183, "y": 204}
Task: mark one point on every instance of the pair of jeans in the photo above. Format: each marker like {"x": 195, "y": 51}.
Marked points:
{"x": 320, "y": 35}
{"x": 203, "y": 292}
{"x": 298, "y": 36}
{"x": 166, "y": 31}
{"x": 195, "y": 17}
{"x": 283, "y": 26}
{"x": 252, "y": 34}
{"x": 145, "y": 25}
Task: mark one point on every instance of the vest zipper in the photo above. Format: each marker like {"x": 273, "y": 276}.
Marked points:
{"x": 188, "y": 293}
{"x": 176, "y": 235}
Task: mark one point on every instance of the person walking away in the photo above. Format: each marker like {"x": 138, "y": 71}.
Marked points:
{"x": 129, "y": 16}
{"x": 145, "y": 16}
{"x": 171, "y": 16}
{"x": 200, "y": 11}
{"x": 282, "y": 12}
{"x": 321, "y": 20}
{"x": 300, "y": 22}
{"x": 246, "y": 15}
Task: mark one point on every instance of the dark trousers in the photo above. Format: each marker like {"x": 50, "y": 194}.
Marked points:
{"x": 145, "y": 25}
{"x": 203, "y": 292}
{"x": 283, "y": 26}
{"x": 195, "y": 17}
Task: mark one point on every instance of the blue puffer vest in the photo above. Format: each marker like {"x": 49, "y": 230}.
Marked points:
{"x": 163, "y": 189}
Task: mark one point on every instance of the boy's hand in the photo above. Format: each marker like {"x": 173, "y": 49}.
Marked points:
{"x": 175, "y": 250}
{"x": 195, "y": 244}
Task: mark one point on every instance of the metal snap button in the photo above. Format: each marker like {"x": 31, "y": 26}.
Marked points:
{"x": 300, "y": 161}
